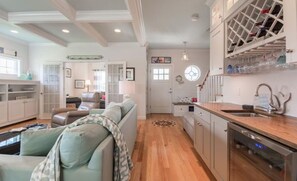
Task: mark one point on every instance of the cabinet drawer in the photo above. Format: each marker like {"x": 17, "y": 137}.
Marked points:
{"x": 202, "y": 114}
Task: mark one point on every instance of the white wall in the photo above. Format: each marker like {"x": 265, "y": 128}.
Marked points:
{"x": 132, "y": 53}
{"x": 241, "y": 89}
{"x": 199, "y": 57}
{"x": 22, "y": 52}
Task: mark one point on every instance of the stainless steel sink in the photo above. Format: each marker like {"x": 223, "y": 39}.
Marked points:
{"x": 243, "y": 113}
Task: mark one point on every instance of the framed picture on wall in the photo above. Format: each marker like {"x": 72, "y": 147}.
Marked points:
{"x": 130, "y": 73}
{"x": 68, "y": 72}
{"x": 166, "y": 60}
{"x": 79, "y": 84}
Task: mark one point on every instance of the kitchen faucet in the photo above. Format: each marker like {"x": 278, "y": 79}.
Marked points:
{"x": 278, "y": 107}
{"x": 272, "y": 107}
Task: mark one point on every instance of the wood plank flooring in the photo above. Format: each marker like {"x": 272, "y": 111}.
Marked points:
{"x": 160, "y": 153}
{"x": 166, "y": 153}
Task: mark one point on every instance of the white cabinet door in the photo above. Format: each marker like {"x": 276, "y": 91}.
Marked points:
{"x": 216, "y": 14}
{"x": 219, "y": 150}
{"x": 290, "y": 27}
{"x": 3, "y": 112}
{"x": 180, "y": 110}
{"x": 198, "y": 142}
{"x": 217, "y": 50}
{"x": 30, "y": 107}
{"x": 206, "y": 143}
{"x": 16, "y": 110}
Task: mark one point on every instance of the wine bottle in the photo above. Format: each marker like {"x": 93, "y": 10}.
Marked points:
{"x": 267, "y": 24}
{"x": 263, "y": 32}
{"x": 240, "y": 43}
{"x": 277, "y": 27}
{"x": 275, "y": 10}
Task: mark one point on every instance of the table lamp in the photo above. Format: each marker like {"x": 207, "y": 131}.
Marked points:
{"x": 126, "y": 88}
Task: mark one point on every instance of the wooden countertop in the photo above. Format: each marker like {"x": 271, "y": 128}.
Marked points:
{"x": 279, "y": 128}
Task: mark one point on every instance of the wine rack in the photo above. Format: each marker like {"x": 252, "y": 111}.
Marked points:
{"x": 256, "y": 29}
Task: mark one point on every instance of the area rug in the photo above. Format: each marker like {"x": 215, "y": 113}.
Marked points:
{"x": 164, "y": 123}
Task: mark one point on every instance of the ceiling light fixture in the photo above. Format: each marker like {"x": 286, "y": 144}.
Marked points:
{"x": 195, "y": 17}
{"x": 14, "y": 31}
{"x": 65, "y": 31}
{"x": 185, "y": 56}
{"x": 117, "y": 30}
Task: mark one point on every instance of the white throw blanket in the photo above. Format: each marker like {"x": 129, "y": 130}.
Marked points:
{"x": 49, "y": 169}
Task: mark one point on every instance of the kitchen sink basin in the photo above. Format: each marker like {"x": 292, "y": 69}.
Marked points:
{"x": 243, "y": 113}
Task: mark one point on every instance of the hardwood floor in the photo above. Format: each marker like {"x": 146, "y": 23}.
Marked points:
{"x": 165, "y": 153}
{"x": 24, "y": 124}
{"x": 160, "y": 153}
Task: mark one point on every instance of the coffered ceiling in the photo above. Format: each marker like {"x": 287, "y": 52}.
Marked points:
{"x": 157, "y": 23}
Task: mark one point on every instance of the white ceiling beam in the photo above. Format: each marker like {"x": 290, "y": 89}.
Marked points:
{"x": 135, "y": 8}
{"x": 67, "y": 10}
{"x": 101, "y": 16}
{"x": 36, "y": 17}
{"x": 3, "y": 15}
{"x": 104, "y": 16}
{"x": 34, "y": 29}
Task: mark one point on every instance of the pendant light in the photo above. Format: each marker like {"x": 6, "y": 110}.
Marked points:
{"x": 185, "y": 56}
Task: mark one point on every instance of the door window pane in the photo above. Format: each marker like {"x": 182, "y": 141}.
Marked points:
{"x": 161, "y": 74}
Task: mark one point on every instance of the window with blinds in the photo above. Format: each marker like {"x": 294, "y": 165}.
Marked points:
{"x": 99, "y": 80}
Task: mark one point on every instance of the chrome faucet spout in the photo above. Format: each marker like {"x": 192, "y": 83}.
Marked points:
{"x": 266, "y": 85}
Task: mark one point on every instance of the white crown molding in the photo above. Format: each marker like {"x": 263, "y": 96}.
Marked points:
{"x": 34, "y": 29}
{"x": 36, "y": 17}
{"x": 67, "y": 10}
{"x": 135, "y": 8}
{"x": 104, "y": 16}
{"x": 3, "y": 15}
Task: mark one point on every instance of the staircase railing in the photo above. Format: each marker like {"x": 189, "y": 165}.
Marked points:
{"x": 211, "y": 89}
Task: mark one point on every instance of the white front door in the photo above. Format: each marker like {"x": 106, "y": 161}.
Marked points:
{"x": 160, "y": 89}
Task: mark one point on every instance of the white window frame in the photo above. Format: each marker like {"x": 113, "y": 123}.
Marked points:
{"x": 193, "y": 77}
{"x": 15, "y": 60}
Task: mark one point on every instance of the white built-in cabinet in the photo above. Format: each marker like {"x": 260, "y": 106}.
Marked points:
{"x": 18, "y": 101}
{"x": 216, "y": 14}
{"x": 202, "y": 141}
{"x": 217, "y": 50}
{"x": 219, "y": 148}
{"x": 246, "y": 30}
{"x": 180, "y": 110}
{"x": 290, "y": 27}
{"x": 216, "y": 37}
{"x": 211, "y": 142}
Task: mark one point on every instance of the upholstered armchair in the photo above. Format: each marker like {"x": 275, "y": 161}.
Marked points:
{"x": 64, "y": 116}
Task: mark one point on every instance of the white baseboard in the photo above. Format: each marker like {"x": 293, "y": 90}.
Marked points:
{"x": 141, "y": 117}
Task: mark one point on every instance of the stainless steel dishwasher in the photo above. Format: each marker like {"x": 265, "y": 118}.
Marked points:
{"x": 256, "y": 157}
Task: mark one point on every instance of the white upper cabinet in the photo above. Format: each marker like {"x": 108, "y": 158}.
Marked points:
{"x": 216, "y": 14}
{"x": 290, "y": 27}
{"x": 217, "y": 50}
{"x": 230, "y": 6}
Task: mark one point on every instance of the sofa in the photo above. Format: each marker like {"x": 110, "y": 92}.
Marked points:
{"x": 64, "y": 116}
{"x": 98, "y": 168}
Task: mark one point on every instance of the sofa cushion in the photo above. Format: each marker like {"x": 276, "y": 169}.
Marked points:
{"x": 113, "y": 112}
{"x": 78, "y": 144}
{"x": 39, "y": 142}
{"x": 96, "y": 111}
{"x": 126, "y": 106}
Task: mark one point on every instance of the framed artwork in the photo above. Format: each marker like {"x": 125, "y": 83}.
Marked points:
{"x": 130, "y": 73}
{"x": 166, "y": 60}
{"x": 68, "y": 72}
{"x": 79, "y": 84}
